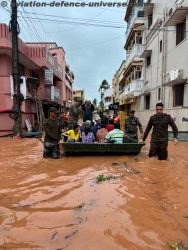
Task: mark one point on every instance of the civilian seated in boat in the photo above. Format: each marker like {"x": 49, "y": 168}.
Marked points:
{"x": 87, "y": 124}
{"x": 110, "y": 125}
{"x": 88, "y": 136}
{"x": 101, "y": 133}
{"x": 116, "y": 135}
{"x": 97, "y": 125}
{"x": 73, "y": 134}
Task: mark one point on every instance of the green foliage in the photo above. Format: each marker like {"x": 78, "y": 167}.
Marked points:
{"x": 95, "y": 102}
{"x": 177, "y": 246}
{"x": 100, "y": 178}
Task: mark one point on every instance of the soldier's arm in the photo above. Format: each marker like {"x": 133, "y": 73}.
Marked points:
{"x": 148, "y": 128}
{"x": 173, "y": 126}
{"x": 140, "y": 126}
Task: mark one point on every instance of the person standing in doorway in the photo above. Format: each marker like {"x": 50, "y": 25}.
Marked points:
{"x": 159, "y": 138}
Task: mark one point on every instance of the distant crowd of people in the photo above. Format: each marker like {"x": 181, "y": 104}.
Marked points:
{"x": 100, "y": 128}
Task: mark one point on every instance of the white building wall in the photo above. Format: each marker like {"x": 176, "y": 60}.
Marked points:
{"x": 107, "y": 93}
{"x": 176, "y": 58}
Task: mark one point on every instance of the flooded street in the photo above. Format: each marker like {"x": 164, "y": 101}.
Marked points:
{"x": 57, "y": 204}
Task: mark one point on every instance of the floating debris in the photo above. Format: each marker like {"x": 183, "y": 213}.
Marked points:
{"x": 178, "y": 246}
{"x": 130, "y": 170}
{"x": 115, "y": 164}
{"x": 101, "y": 177}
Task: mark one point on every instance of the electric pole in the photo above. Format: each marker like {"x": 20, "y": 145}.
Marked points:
{"x": 17, "y": 96}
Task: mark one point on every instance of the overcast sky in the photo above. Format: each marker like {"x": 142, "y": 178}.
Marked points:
{"x": 93, "y": 53}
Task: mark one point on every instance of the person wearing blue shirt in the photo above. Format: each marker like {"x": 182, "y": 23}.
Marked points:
{"x": 116, "y": 135}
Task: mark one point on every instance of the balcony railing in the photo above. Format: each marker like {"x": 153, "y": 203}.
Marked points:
{"x": 136, "y": 51}
{"x": 133, "y": 89}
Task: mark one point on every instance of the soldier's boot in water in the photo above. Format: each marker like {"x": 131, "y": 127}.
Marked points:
{"x": 47, "y": 152}
{"x": 163, "y": 153}
{"x": 55, "y": 152}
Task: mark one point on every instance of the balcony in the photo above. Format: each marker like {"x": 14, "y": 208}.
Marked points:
{"x": 136, "y": 52}
{"x": 176, "y": 15}
{"x": 132, "y": 90}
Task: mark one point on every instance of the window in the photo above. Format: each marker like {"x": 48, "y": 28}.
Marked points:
{"x": 180, "y": 32}
{"x": 161, "y": 45}
{"x": 150, "y": 20}
{"x": 178, "y": 93}
{"x": 148, "y": 61}
{"x": 138, "y": 40}
{"x": 138, "y": 74}
{"x": 147, "y": 102}
{"x": 107, "y": 99}
{"x": 159, "y": 94}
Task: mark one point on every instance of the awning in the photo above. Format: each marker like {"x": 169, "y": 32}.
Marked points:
{"x": 146, "y": 54}
{"x": 175, "y": 82}
{"x": 128, "y": 101}
{"x": 148, "y": 9}
{"x": 178, "y": 16}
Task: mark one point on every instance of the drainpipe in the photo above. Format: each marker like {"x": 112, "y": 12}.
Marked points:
{"x": 164, "y": 51}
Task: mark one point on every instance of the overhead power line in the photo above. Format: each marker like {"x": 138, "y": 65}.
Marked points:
{"x": 96, "y": 24}
{"x": 78, "y": 23}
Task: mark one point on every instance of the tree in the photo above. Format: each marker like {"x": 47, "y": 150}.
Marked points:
{"x": 95, "y": 102}
{"x": 104, "y": 85}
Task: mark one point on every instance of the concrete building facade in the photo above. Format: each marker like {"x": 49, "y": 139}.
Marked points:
{"x": 156, "y": 62}
{"x": 79, "y": 96}
{"x": 35, "y": 60}
{"x": 107, "y": 98}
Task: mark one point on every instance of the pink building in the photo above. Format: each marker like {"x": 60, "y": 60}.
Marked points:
{"x": 35, "y": 59}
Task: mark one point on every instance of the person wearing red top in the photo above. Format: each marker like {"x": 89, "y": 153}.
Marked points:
{"x": 110, "y": 125}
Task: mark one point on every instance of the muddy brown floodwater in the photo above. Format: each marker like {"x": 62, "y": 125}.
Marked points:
{"x": 57, "y": 204}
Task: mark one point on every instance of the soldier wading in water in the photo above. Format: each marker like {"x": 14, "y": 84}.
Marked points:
{"x": 159, "y": 138}
{"x": 131, "y": 126}
{"x": 52, "y": 137}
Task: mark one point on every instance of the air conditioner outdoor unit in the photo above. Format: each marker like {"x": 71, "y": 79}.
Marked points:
{"x": 175, "y": 74}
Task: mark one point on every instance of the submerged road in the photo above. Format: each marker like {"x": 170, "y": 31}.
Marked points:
{"x": 57, "y": 204}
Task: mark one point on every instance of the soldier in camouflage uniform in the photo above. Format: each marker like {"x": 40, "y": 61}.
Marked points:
{"x": 131, "y": 126}
{"x": 74, "y": 113}
{"x": 159, "y": 138}
{"x": 52, "y": 130}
